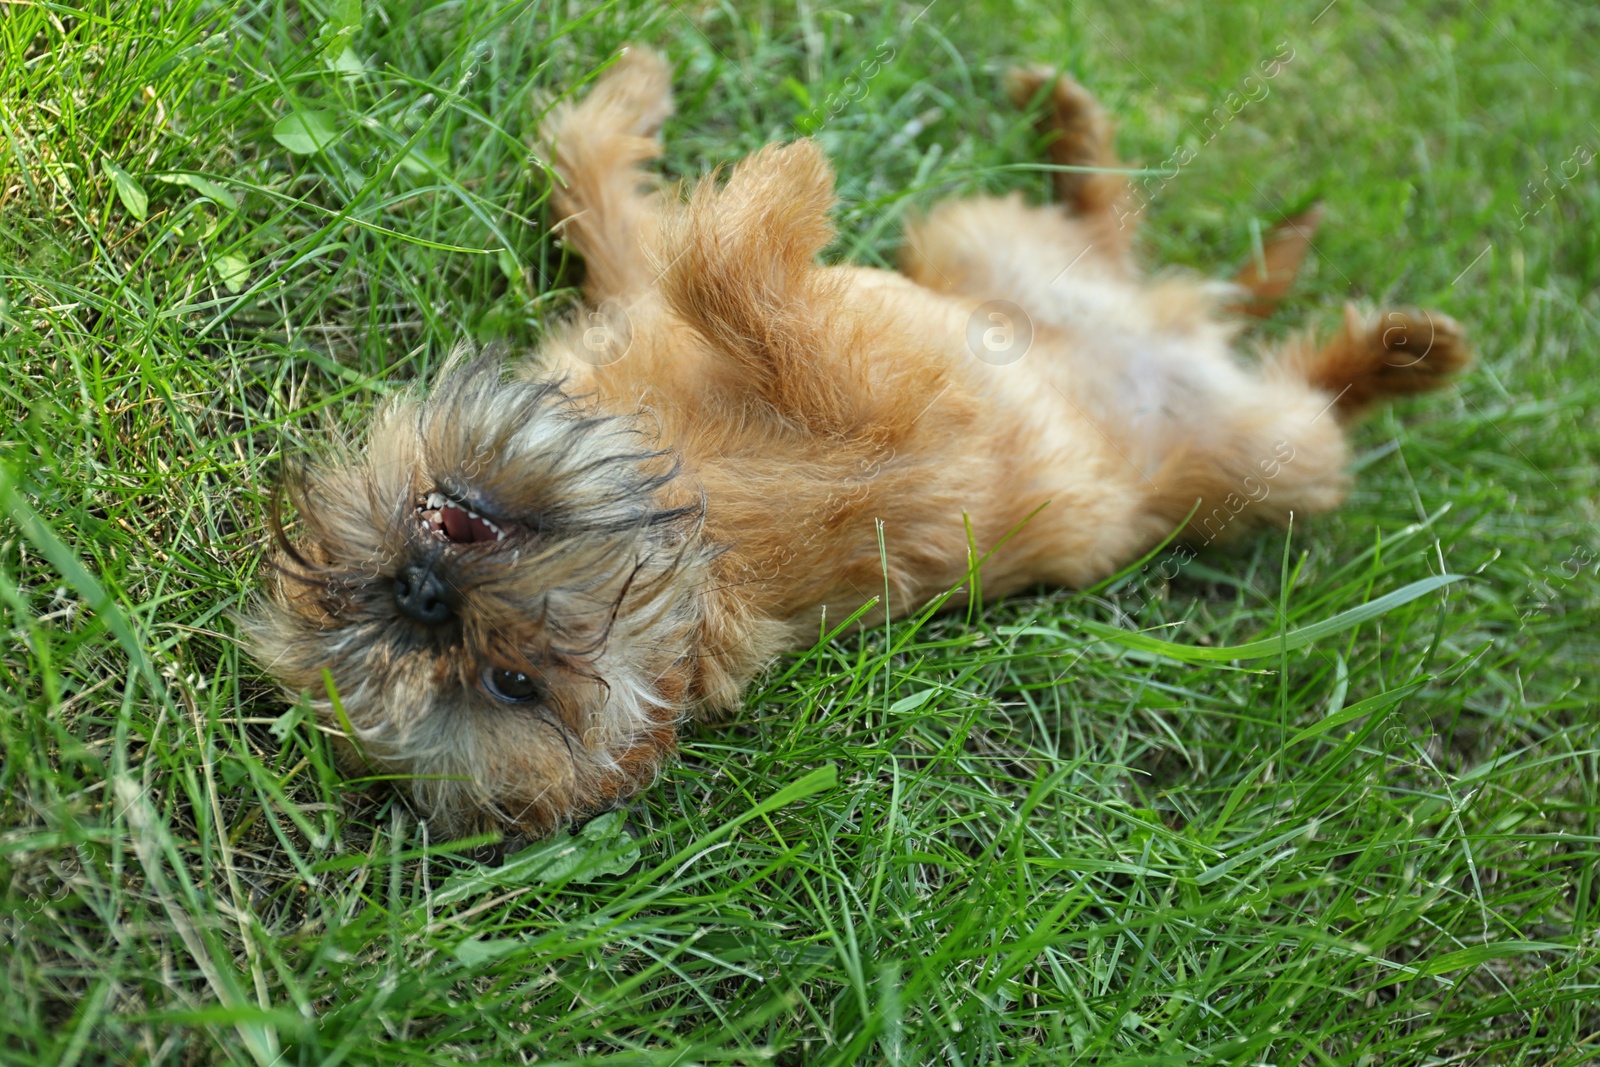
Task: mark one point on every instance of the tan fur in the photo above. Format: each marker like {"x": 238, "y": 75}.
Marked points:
{"x": 748, "y": 419}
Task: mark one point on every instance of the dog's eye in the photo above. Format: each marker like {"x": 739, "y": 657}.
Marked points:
{"x": 513, "y": 686}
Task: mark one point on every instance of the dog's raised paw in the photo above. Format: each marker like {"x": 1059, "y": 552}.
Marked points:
{"x": 1080, "y": 136}
{"x": 1422, "y": 348}
{"x": 1396, "y": 353}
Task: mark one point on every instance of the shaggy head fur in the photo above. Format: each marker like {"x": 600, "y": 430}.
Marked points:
{"x": 501, "y": 595}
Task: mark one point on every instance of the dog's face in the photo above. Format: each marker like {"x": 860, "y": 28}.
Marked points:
{"x": 503, "y": 598}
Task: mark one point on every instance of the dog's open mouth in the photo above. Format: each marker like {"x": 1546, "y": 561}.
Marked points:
{"x": 451, "y": 522}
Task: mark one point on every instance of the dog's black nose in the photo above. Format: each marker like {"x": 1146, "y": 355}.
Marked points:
{"x": 422, "y": 594}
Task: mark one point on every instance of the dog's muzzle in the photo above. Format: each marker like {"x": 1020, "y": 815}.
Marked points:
{"x": 422, "y": 595}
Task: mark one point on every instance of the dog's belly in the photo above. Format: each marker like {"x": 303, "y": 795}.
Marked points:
{"x": 1054, "y": 457}
{"x": 1054, "y": 466}
{"x": 1158, "y": 391}
{"x": 1138, "y": 366}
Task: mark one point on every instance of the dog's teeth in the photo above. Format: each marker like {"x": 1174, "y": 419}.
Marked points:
{"x": 479, "y": 518}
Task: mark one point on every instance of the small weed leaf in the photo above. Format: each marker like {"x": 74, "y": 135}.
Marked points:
{"x": 129, "y": 191}
{"x": 306, "y": 132}
{"x": 283, "y": 724}
{"x": 344, "y": 15}
{"x": 417, "y": 163}
{"x": 912, "y": 702}
{"x": 344, "y": 19}
{"x": 194, "y": 224}
{"x": 233, "y": 272}
{"x": 507, "y": 262}
{"x": 601, "y": 849}
{"x": 348, "y": 63}
{"x": 204, "y": 186}
{"x": 475, "y": 953}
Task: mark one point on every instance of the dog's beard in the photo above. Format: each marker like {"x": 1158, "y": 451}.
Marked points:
{"x": 502, "y": 588}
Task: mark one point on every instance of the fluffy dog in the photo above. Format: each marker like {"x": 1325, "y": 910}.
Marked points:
{"x": 522, "y": 583}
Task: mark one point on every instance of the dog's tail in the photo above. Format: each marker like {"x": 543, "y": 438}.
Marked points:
{"x": 1374, "y": 358}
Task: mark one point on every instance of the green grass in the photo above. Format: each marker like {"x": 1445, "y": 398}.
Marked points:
{"x": 1011, "y": 837}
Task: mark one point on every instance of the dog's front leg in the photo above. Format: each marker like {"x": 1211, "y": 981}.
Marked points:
{"x": 741, "y": 270}
{"x": 603, "y": 203}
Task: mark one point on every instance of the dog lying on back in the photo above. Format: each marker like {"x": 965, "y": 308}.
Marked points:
{"x": 524, "y": 582}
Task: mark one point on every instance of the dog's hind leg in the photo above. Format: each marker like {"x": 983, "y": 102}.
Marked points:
{"x": 1079, "y": 137}
{"x": 603, "y": 203}
{"x": 1001, "y": 247}
{"x": 1267, "y": 279}
{"x": 1396, "y": 353}
{"x": 1260, "y": 448}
